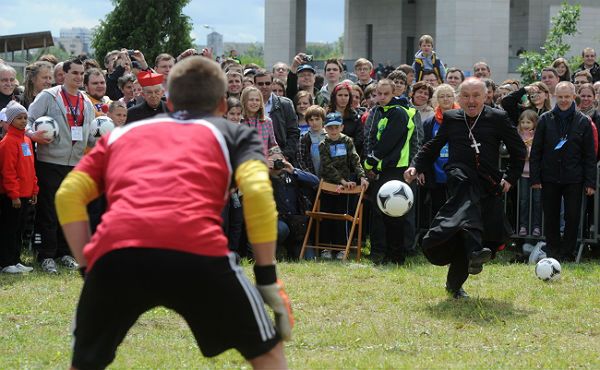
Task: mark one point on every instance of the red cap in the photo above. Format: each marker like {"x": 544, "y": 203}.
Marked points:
{"x": 147, "y": 78}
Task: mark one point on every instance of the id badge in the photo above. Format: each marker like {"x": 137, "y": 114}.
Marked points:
{"x": 560, "y": 144}
{"x": 26, "y": 150}
{"x": 77, "y": 133}
{"x": 338, "y": 150}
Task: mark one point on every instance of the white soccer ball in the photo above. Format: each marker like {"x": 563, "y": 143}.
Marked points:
{"x": 395, "y": 198}
{"x": 548, "y": 269}
{"x": 47, "y": 124}
{"x": 101, "y": 126}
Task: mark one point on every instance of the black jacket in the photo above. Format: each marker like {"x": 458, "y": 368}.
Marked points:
{"x": 354, "y": 129}
{"x": 143, "y": 111}
{"x": 594, "y": 71}
{"x": 285, "y": 126}
{"x": 574, "y": 163}
{"x": 511, "y": 103}
{"x": 492, "y": 128}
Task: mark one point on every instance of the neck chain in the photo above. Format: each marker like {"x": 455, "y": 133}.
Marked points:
{"x": 475, "y": 145}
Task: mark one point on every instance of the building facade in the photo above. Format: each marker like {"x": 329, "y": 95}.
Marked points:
{"x": 465, "y": 31}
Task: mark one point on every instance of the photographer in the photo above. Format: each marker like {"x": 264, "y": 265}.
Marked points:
{"x": 125, "y": 61}
{"x": 293, "y": 190}
{"x": 302, "y": 77}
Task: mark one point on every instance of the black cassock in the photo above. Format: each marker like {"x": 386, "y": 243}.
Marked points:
{"x": 143, "y": 111}
{"x": 474, "y": 211}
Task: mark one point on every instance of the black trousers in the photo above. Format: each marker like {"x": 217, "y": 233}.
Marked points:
{"x": 53, "y": 243}
{"x": 552, "y": 194}
{"x": 12, "y": 222}
{"x": 387, "y": 233}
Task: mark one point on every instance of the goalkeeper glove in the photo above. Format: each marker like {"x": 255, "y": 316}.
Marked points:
{"x": 275, "y": 297}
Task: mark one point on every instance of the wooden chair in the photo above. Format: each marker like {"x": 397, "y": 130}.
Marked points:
{"x": 316, "y": 216}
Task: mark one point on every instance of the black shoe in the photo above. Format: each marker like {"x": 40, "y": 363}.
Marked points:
{"x": 457, "y": 293}
{"x": 478, "y": 258}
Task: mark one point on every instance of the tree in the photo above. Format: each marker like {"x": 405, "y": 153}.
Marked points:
{"x": 151, "y": 26}
{"x": 563, "y": 24}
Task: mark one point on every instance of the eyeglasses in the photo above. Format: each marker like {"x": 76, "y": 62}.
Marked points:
{"x": 281, "y": 69}
{"x": 363, "y": 69}
{"x": 533, "y": 96}
{"x": 266, "y": 83}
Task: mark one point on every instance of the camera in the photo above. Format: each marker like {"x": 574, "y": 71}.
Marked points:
{"x": 135, "y": 64}
{"x": 278, "y": 164}
{"x": 130, "y": 52}
{"x": 308, "y": 58}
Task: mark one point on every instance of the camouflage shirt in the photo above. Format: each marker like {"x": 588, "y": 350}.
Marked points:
{"x": 339, "y": 160}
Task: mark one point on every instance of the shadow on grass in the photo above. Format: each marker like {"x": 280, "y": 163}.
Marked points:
{"x": 479, "y": 311}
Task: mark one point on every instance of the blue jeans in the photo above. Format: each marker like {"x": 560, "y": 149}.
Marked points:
{"x": 529, "y": 196}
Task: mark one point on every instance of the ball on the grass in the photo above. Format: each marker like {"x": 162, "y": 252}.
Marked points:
{"x": 47, "y": 124}
{"x": 101, "y": 126}
{"x": 395, "y": 198}
{"x": 548, "y": 269}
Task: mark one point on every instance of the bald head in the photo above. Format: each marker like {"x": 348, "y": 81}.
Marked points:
{"x": 565, "y": 95}
{"x": 471, "y": 96}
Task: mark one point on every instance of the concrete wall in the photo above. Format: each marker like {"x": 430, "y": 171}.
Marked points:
{"x": 468, "y": 31}
{"x": 285, "y": 30}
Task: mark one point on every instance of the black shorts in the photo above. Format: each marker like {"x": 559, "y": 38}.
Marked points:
{"x": 222, "y": 308}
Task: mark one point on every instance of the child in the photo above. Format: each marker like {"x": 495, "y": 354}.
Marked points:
{"x": 234, "y": 110}
{"x": 302, "y": 101}
{"x": 340, "y": 164}
{"x": 310, "y": 159}
{"x": 387, "y": 160}
{"x": 18, "y": 188}
{"x": 253, "y": 111}
{"x": 527, "y": 123}
{"x": 117, "y": 111}
{"x": 427, "y": 60}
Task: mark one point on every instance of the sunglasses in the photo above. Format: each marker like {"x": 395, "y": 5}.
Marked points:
{"x": 267, "y": 83}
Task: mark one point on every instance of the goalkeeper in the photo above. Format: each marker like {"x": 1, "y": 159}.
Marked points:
{"x": 160, "y": 243}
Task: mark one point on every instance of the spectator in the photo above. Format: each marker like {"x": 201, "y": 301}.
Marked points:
{"x": 38, "y": 76}
{"x": 278, "y": 87}
{"x": 282, "y": 114}
{"x": 562, "y": 164}
{"x": 550, "y": 78}
{"x": 400, "y": 82}
{"x": 248, "y": 81}
{"x": 357, "y": 100}
{"x": 73, "y": 112}
{"x": 340, "y": 164}
{"x": 389, "y": 157}
{"x": 117, "y": 112}
{"x": 422, "y": 93}
{"x": 126, "y": 86}
{"x": 95, "y": 88}
{"x": 59, "y": 74}
{"x": 409, "y": 72}
{"x": 582, "y": 77}
{"x": 333, "y": 75}
{"x": 234, "y": 110}
{"x": 302, "y": 101}
{"x": 152, "y": 93}
{"x": 562, "y": 67}
{"x": 50, "y": 58}
{"x": 590, "y": 64}
{"x": 18, "y": 188}
{"x": 454, "y": 77}
{"x": 253, "y": 111}
{"x": 363, "y": 69}
{"x": 292, "y": 189}
{"x": 427, "y": 60}
{"x": 491, "y": 92}
{"x": 482, "y": 70}
{"x": 8, "y": 77}
{"x": 309, "y": 157}
{"x": 340, "y": 102}
{"x": 434, "y": 179}
{"x": 302, "y": 77}
{"x": 430, "y": 78}
{"x": 280, "y": 71}
{"x": 528, "y": 216}
{"x": 163, "y": 64}
{"x": 234, "y": 84}
{"x": 538, "y": 99}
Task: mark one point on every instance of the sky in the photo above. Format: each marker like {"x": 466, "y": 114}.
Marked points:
{"x": 237, "y": 20}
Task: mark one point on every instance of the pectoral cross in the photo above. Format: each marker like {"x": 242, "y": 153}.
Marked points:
{"x": 475, "y": 145}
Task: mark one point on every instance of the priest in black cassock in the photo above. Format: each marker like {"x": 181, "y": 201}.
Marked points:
{"x": 152, "y": 92}
{"x": 469, "y": 228}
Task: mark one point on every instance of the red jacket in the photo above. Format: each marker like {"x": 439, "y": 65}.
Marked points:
{"x": 17, "y": 170}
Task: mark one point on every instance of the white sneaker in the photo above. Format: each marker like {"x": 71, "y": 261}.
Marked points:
{"x": 326, "y": 254}
{"x": 340, "y": 255}
{"x": 12, "y": 269}
{"x": 49, "y": 266}
{"x": 24, "y": 268}
{"x": 69, "y": 262}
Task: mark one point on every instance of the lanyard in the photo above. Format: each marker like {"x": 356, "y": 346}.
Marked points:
{"x": 74, "y": 110}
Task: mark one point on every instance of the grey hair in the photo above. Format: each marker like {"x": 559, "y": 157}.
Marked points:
{"x": 565, "y": 84}
{"x": 6, "y": 68}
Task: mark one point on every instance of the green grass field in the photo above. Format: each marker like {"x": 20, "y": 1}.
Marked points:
{"x": 347, "y": 316}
